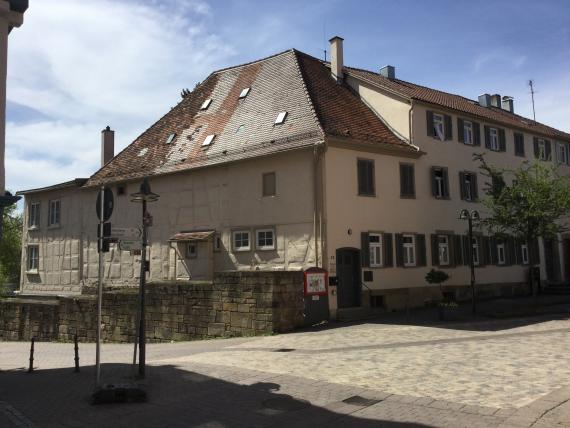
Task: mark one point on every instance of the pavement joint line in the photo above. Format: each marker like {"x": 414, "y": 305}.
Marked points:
{"x": 15, "y": 416}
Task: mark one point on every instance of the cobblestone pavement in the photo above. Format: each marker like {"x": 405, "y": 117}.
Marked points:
{"x": 501, "y": 373}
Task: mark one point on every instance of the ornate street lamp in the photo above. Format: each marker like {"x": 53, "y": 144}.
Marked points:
{"x": 471, "y": 216}
{"x": 144, "y": 195}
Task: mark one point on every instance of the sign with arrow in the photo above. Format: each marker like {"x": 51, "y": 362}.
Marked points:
{"x": 126, "y": 233}
{"x": 130, "y": 245}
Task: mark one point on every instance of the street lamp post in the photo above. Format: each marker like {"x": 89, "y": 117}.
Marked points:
{"x": 144, "y": 195}
{"x": 470, "y": 216}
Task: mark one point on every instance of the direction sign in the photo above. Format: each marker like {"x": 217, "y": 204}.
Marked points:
{"x": 127, "y": 233}
{"x": 130, "y": 245}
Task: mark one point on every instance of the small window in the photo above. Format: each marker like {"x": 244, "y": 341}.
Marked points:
{"x": 468, "y": 182}
{"x": 240, "y": 129}
{"x": 409, "y": 250}
{"x": 443, "y": 249}
{"x": 440, "y": 185}
{"x": 519, "y": 144}
{"x": 375, "y": 245}
{"x": 524, "y": 254}
{"x": 208, "y": 140}
{"x": 501, "y": 256}
{"x": 34, "y": 215}
{"x": 365, "y": 177}
{"x": 54, "y": 214}
{"x": 241, "y": 240}
{"x": 206, "y": 104}
{"x": 269, "y": 185}
{"x": 170, "y": 138}
{"x": 468, "y": 132}
{"x": 121, "y": 190}
{"x": 494, "y": 139}
{"x": 562, "y": 153}
{"x": 438, "y": 126}
{"x": 407, "y": 181}
{"x": 280, "y": 118}
{"x": 244, "y": 92}
{"x": 217, "y": 242}
{"x": 192, "y": 250}
{"x": 265, "y": 239}
{"x": 475, "y": 247}
{"x": 33, "y": 258}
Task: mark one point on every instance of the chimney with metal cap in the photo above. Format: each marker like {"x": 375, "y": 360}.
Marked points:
{"x": 508, "y": 104}
{"x": 485, "y": 100}
{"x": 107, "y": 145}
{"x": 388, "y": 71}
{"x": 337, "y": 61}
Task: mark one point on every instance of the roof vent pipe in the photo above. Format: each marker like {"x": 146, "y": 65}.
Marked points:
{"x": 107, "y": 145}
{"x": 485, "y": 100}
{"x": 388, "y": 71}
{"x": 496, "y": 100}
{"x": 337, "y": 61}
{"x": 508, "y": 104}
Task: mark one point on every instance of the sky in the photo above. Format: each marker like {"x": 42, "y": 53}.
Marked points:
{"x": 76, "y": 66}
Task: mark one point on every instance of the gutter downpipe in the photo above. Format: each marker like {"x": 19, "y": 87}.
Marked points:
{"x": 410, "y": 116}
{"x": 315, "y": 162}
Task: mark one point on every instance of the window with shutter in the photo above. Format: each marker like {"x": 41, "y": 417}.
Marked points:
{"x": 448, "y": 127}
{"x": 519, "y": 144}
{"x": 440, "y": 186}
{"x": 468, "y": 132}
{"x": 388, "y": 257}
{"x": 443, "y": 250}
{"x": 540, "y": 149}
{"x": 475, "y": 251}
{"x": 408, "y": 250}
{"x": 365, "y": 174}
{"x": 438, "y": 127}
{"x": 407, "y": 181}
{"x": 562, "y": 153}
{"x": 502, "y": 141}
{"x": 468, "y": 183}
{"x": 494, "y": 139}
{"x": 375, "y": 249}
{"x": 476, "y": 134}
{"x": 420, "y": 245}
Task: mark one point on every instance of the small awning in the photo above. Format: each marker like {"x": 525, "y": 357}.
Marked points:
{"x": 202, "y": 235}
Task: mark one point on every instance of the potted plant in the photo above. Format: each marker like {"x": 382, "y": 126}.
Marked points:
{"x": 439, "y": 277}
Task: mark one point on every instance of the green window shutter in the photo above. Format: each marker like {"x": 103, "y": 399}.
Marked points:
{"x": 466, "y": 249}
{"x": 421, "y": 249}
{"x": 476, "y": 134}
{"x": 502, "y": 140}
{"x": 433, "y": 182}
{"x": 445, "y": 183}
{"x": 511, "y": 251}
{"x": 493, "y": 251}
{"x": 536, "y": 150}
{"x": 407, "y": 180}
{"x": 484, "y": 254}
{"x": 429, "y": 120}
{"x": 448, "y": 124}
{"x": 548, "y": 150}
{"x": 460, "y": 135}
{"x": 487, "y": 137}
{"x": 399, "y": 250}
{"x": 474, "y": 186}
{"x": 387, "y": 250}
{"x": 434, "y": 251}
{"x": 457, "y": 250}
{"x": 462, "y": 185}
{"x": 365, "y": 249}
{"x": 535, "y": 252}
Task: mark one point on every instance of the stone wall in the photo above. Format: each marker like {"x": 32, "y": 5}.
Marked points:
{"x": 234, "y": 304}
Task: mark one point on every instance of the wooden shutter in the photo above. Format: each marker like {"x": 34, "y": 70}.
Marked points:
{"x": 476, "y": 134}
{"x": 445, "y": 183}
{"x": 448, "y": 124}
{"x": 511, "y": 249}
{"x": 536, "y": 150}
{"x": 387, "y": 250}
{"x": 399, "y": 250}
{"x": 535, "y": 252}
{"x": 433, "y": 181}
{"x": 494, "y": 257}
{"x": 434, "y": 251}
{"x": 487, "y": 137}
{"x": 474, "y": 187}
{"x": 407, "y": 180}
{"x": 484, "y": 254}
{"x": 460, "y": 130}
{"x": 462, "y": 185}
{"x": 457, "y": 250}
{"x": 421, "y": 249}
{"x": 547, "y": 150}
{"x": 502, "y": 140}
{"x": 466, "y": 250}
{"x": 429, "y": 121}
{"x": 365, "y": 249}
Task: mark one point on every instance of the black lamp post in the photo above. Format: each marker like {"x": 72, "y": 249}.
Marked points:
{"x": 470, "y": 216}
{"x": 144, "y": 195}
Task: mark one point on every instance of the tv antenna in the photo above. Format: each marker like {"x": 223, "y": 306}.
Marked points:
{"x": 531, "y": 85}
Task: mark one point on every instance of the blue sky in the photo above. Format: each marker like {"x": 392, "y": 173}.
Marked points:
{"x": 76, "y": 66}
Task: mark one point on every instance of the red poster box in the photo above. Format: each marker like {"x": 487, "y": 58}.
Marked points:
{"x": 316, "y": 282}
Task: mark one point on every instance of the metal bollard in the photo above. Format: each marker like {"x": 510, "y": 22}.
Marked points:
{"x": 31, "y": 368}
{"x": 76, "y": 354}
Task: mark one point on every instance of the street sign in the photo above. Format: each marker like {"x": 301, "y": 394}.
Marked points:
{"x": 126, "y": 233}
{"x": 108, "y": 203}
{"x": 130, "y": 245}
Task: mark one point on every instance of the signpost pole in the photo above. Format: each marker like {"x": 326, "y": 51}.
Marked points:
{"x": 142, "y": 333}
{"x": 100, "y": 288}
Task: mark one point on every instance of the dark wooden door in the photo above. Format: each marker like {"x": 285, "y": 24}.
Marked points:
{"x": 348, "y": 273}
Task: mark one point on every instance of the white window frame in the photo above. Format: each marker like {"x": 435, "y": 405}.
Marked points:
{"x": 375, "y": 249}
{"x": 439, "y": 183}
{"x": 467, "y": 186}
{"x": 243, "y": 247}
{"x": 475, "y": 251}
{"x": 191, "y": 254}
{"x": 265, "y": 247}
{"x": 562, "y": 153}
{"x": 541, "y": 149}
{"x": 524, "y": 253}
{"x": 501, "y": 254}
{"x": 409, "y": 251}
{"x": 443, "y": 248}
{"x": 54, "y": 215}
{"x": 494, "y": 139}
{"x": 468, "y": 132}
{"x": 439, "y": 126}
{"x": 34, "y": 215}
{"x": 32, "y": 263}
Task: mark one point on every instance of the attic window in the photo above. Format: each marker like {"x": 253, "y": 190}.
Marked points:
{"x": 244, "y": 92}
{"x": 208, "y": 140}
{"x": 170, "y": 138}
{"x": 281, "y": 118}
{"x": 206, "y": 104}
{"x": 240, "y": 129}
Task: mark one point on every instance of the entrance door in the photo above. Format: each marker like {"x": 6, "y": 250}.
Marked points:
{"x": 348, "y": 273}
{"x": 566, "y": 249}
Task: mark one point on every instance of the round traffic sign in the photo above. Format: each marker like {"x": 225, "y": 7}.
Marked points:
{"x": 108, "y": 203}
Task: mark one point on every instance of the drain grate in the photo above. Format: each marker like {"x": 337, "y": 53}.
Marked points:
{"x": 357, "y": 400}
{"x": 284, "y": 350}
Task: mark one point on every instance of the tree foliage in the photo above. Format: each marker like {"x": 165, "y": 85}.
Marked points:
{"x": 10, "y": 248}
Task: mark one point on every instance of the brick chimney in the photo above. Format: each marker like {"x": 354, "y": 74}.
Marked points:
{"x": 337, "y": 61}
{"x": 107, "y": 145}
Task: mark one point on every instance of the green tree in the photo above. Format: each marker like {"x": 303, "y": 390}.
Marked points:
{"x": 528, "y": 202}
{"x": 10, "y": 248}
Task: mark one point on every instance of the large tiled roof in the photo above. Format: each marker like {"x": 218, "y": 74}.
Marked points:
{"x": 290, "y": 81}
{"x": 456, "y": 102}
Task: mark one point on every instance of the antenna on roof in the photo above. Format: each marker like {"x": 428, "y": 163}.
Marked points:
{"x": 531, "y": 85}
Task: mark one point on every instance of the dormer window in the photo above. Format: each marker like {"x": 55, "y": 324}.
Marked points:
{"x": 170, "y": 138}
{"x": 206, "y": 104}
{"x": 244, "y": 93}
{"x": 208, "y": 140}
{"x": 280, "y": 118}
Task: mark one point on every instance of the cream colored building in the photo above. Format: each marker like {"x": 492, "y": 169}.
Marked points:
{"x": 289, "y": 162}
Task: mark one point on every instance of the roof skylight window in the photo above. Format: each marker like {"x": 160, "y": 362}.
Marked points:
{"x": 240, "y": 129}
{"x": 281, "y": 118}
{"x": 208, "y": 140}
{"x": 171, "y": 138}
{"x": 206, "y": 104}
{"x": 142, "y": 152}
{"x": 244, "y": 92}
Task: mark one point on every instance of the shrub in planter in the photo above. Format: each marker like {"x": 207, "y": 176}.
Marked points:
{"x": 439, "y": 277}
